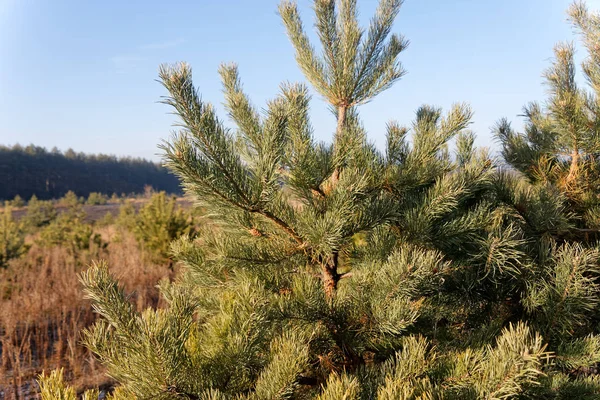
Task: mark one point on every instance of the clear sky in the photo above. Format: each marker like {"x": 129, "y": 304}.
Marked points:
{"x": 81, "y": 74}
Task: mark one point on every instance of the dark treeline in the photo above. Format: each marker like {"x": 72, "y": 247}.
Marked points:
{"x": 30, "y": 170}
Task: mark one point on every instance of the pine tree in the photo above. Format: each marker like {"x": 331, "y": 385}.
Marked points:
{"x": 39, "y": 213}
{"x": 333, "y": 271}
{"x": 561, "y": 144}
{"x": 17, "y": 202}
{"x": 556, "y": 189}
{"x": 553, "y": 189}
{"x": 158, "y": 223}
{"x": 12, "y": 238}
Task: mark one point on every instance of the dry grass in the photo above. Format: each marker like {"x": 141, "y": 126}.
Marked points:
{"x": 42, "y": 310}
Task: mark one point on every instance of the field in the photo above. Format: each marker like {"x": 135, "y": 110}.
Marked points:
{"x": 42, "y": 307}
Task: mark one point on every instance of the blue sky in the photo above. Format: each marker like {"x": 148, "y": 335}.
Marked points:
{"x": 81, "y": 74}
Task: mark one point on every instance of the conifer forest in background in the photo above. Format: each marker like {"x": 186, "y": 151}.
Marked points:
{"x": 33, "y": 170}
{"x": 295, "y": 269}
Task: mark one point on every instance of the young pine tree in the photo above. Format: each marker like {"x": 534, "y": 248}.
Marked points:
{"x": 69, "y": 229}
{"x": 336, "y": 271}
{"x": 560, "y": 148}
{"x": 553, "y": 190}
{"x": 158, "y": 223}
{"x": 39, "y": 213}
{"x": 12, "y": 238}
{"x": 95, "y": 198}
{"x": 17, "y": 202}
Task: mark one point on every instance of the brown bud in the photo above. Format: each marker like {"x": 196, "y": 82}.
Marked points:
{"x": 255, "y": 232}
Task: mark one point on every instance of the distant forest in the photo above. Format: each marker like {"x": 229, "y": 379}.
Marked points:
{"x": 30, "y": 170}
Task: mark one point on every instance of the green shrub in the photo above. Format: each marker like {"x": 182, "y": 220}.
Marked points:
{"x": 70, "y": 199}
{"x": 70, "y": 230}
{"x": 96, "y": 199}
{"x": 12, "y": 238}
{"x": 107, "y": 220}
{"x": 17, "y": 202}
{"x": 158, "y": 223}
{"x": 39, "y": 213}
{"x": 126, "y": 217}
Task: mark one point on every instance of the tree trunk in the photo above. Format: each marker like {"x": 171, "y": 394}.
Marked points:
{"x": 330, "y": 281}
{"x": 330, "y": 276}
{"x": 329, "y": 272}
{"x": 574, "y": 166}
{"x": 341, "y": 122}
